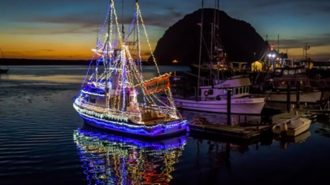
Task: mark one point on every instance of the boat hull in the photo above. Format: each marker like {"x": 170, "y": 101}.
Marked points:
{"x": 305, "y": 97}
{"x": 238, "y": 106}
{"x": 159, "y": 130}
{"x": 290, "y": 126}
{"x": 306, "y": 123}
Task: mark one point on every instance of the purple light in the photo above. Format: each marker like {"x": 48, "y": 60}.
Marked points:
{"x": 123, "y": 152}
{"x": 159, "y": 145}
{"x": 145, "y": 131}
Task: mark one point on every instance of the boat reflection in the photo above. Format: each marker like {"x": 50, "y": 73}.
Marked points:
{"x": 113, "y": 159}
{"x": 324, "y": 128}
{"x": 286, "y": 141}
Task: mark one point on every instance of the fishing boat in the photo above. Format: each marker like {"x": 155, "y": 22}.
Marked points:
{"x": 214, "y": 98}
{"x": 213, "y": 82}
{"x": 116, "y": 96}
{"x": 290, "y": 125}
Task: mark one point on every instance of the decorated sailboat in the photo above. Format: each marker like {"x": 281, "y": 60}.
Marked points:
{"x": 115, "y": 95}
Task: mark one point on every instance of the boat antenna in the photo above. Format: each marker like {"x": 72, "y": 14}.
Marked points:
{"x": 278, "y": 43}
{"x": 200, "y": 51}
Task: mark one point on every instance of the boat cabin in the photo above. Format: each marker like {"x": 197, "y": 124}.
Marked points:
{"x": 240, "y": 87}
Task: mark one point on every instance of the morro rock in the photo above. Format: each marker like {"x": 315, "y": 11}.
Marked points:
{"x": 180, "y": 42}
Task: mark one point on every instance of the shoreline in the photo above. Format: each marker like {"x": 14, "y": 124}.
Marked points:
{"x": 26, "y": 62}
{"x": 10, "y": 62}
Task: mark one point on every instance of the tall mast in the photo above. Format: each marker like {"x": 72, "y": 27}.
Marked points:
{"x": 107, "y": 58}
{"x": 212, "y": 39}
{"x": 200, "y": 51}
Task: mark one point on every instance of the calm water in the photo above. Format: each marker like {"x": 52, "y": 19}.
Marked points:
{"x": 43, "y": 141}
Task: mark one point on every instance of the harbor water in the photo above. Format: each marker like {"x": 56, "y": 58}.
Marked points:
{"x": 44, "y": 141}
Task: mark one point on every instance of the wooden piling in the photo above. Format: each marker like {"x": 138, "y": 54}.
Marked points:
{"x": 229, "y": 106}
{"x": 288, "y": 97}
{"x": 298, "y": 95}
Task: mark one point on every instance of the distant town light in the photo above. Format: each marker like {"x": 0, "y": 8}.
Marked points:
{"x": 175, "y": 61}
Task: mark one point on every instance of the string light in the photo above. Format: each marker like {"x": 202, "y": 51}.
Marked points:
{"x": 116, "y": 96}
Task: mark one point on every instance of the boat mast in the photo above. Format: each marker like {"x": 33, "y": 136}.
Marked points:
{"x": 212, "y": 45}
{"x": 108, "y": 58}
{"x": 200, "y": 52}
{"x": 218, "y": 42}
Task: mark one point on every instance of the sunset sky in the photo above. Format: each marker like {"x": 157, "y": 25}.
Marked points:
{"x": 66, "y": 29}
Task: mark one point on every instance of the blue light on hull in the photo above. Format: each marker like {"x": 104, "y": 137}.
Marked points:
{"x": 160, "y": 130}
{"x": 158, "y": 145}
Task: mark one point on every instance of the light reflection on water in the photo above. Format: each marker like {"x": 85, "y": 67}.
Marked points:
{"x": 113, "y": 159}
{"x": 36, "y": 146}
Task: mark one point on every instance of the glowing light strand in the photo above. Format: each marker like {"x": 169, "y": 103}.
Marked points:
{"x": 119, "y": 65}
{"x": 147, "y": 37}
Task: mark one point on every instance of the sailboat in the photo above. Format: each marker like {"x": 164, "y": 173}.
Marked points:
{"x": 116, "y": 96}
{"x": 211, "y": 96}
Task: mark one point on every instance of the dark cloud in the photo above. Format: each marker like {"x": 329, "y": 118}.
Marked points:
{"x": 91, "y": 13}
{"x": 86, "y": 16}
{"x": 48, "y": 31}
{"x": 84, "y": 21}
{"x": 320, "y": 40}
{"x": 46, "y": 50}
{"x": 28, "y": 52}
{"x": 301, "y": 7}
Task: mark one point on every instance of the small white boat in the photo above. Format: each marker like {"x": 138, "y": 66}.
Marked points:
{"x": 290, "y": 125}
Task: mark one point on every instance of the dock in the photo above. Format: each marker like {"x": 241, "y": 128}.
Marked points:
{"x": 236, "y": 132}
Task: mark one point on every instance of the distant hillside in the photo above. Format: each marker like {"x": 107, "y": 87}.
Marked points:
{"x": 14, "y": 61}
{"x": 181, "y": 41}
{"x": 19, "y": 61}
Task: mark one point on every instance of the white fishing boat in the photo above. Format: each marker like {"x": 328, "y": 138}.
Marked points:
{"x": 211, "y": 94}
{"x": 214, "y": 98}
{"x": 290, "y": 125}
{"x": 115, "y": 96}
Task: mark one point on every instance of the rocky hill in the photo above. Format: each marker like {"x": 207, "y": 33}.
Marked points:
{"x": 180, "y": 42}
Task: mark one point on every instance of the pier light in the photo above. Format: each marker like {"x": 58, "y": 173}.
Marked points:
{"x": 271, "y": 58}
{"x": 271, "y": 55}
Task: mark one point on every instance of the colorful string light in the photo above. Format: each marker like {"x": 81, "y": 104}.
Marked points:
{"x": 116, "y": 96}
